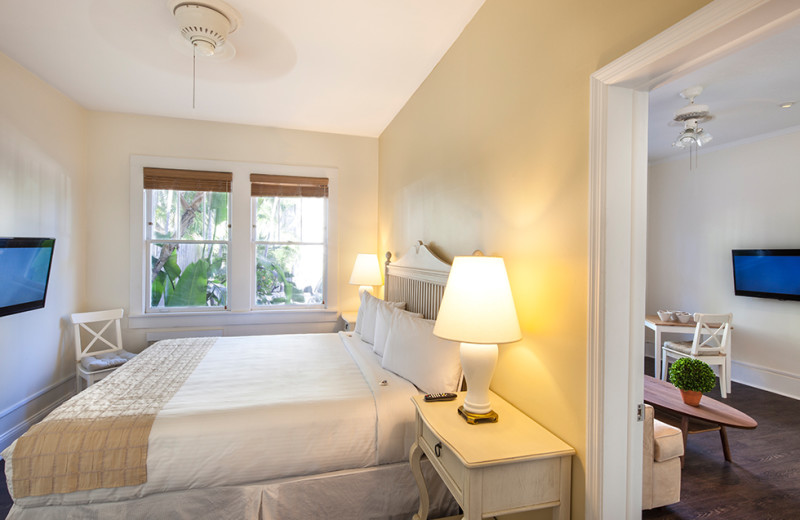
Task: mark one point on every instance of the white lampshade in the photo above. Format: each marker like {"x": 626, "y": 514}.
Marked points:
{"x": 477, "y": 306}
{"x": 366, "y": 271}
{"x": 478, "y": 310}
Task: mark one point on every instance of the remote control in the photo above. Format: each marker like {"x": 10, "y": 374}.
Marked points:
{"x": 446, "y": 396}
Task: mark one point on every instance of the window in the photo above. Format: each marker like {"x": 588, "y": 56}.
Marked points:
{"x": 289, "y": 238}
{"x": 207, "y": 277}
{"x": 187, "y": 239}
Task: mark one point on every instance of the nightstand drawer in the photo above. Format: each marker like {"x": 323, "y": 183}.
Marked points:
{"x": 509, "y": 466}
{"x": 514, "y": 485}
{"x": 454, "y": 472}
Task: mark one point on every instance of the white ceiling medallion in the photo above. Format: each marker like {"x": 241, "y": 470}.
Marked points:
{"x": 206, "y": 24}
{"x": 692, "y": 136}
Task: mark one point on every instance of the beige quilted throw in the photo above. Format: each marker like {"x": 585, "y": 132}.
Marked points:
{"x": 98, "y": 439}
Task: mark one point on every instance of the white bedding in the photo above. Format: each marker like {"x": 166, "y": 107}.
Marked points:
{"x": 261, "y": 408}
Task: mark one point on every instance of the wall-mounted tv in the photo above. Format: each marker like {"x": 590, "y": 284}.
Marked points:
{"x": 24, "y": 273}
{"x": 767, "y": 273}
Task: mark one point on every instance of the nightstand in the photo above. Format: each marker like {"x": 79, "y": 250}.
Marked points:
{"x": 509, "y": 466}
{"x": 349, "y": 318}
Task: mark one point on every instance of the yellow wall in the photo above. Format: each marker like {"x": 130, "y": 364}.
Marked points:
{"x": 491, "y": 153}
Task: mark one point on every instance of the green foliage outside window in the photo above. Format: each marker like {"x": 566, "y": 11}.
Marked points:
{"x": 289, "y": 253}
{"x": 189, "y": 274}
{"x": 189, "y": 251}
{"x": 274, "y": 279}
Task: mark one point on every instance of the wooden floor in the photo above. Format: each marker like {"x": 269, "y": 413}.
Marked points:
{"x": 5, "y": 498}
{"x": 762, "y": 482}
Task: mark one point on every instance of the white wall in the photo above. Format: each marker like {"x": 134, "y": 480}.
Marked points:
{"x": 742, "y": 197}
{"x": 42, "y": 193}
{"x": 114, "y": 138}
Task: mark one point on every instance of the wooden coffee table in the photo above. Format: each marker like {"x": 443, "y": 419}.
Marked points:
{"x": 711, "y": 415}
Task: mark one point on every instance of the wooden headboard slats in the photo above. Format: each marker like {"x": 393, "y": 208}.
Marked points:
{"x": 417, "y": 278}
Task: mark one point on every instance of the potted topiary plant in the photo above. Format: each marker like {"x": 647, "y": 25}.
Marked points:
{"x": 692, "y": 377}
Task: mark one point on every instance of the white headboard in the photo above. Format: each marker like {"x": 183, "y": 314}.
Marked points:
{"x": 417, "y": 278}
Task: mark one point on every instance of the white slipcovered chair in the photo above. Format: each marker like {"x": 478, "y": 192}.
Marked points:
{"x": 711, "y": 343}
{"x": 661, "y": 465}
{"x": 94, "y": 360}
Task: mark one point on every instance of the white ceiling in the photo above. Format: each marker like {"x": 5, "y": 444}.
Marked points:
{"x": 743, "y": 92}
{"x": 341, "y": 66}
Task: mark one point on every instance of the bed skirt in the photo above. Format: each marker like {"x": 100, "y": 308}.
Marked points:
{"x": 386, "y": 492}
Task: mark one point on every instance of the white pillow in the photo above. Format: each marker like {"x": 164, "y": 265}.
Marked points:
{"x": 370, "y": 315}
{"x": 361, "y": 311}
{"x": 383, "y": 322}
{"x": 413, "y": 352}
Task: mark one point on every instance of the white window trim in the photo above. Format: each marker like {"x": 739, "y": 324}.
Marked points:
{"x": 255, "y": 243}
{"x": 148, "y": 309}
{"x": 240, "y": 260}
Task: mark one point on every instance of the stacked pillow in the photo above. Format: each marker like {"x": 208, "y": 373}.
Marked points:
{"x": 383, "y": 322}
{"x": 407, "y": 345}
{"x": 367, "y": 315}
{"x": 414, "y": 353}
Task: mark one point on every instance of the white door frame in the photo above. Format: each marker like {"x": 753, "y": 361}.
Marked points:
{"x": 618, "y": 231}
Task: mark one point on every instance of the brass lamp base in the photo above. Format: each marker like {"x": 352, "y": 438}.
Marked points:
{"x": 475, "y": 418}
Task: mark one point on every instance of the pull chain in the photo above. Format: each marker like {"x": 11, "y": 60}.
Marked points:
{"x": 194, "y": 71}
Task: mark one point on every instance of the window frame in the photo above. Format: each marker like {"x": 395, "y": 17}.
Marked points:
{"x": 149, "y": 241}
{"x": 254, "y": 243}
{"x": 239, "y": 313}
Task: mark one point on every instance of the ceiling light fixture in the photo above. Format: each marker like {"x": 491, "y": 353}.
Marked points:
{"x": 692, "y": 136}
{"x": 788, "y": 104}
{"x": 206, "y": 25}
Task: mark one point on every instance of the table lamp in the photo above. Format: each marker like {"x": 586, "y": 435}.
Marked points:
{"x": 478, "y": 310}
{"x": 366, "y": 272}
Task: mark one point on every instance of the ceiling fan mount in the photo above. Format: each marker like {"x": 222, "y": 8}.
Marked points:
{"x": 692, "y": 111}
{"x": 206, "y": 24}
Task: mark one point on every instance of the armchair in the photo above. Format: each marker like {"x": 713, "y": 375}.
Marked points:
{"x": 661, "y": 471}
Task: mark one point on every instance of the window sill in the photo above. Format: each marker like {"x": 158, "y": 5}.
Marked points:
{"x": 222, "y": 318}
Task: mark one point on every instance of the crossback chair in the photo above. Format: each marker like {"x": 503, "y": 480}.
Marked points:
{"x": 102, "y": 353}
{"x": 711, "y": 343}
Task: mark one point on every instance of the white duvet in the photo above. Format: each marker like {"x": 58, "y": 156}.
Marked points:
{"x": 260, "y": 408}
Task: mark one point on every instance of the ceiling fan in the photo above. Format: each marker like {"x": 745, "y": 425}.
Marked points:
{"x": 690, "y": 117}
{"x": 692, "y": 136}
{"x": 205, "y": 24}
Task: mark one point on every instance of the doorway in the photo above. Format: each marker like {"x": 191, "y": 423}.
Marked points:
{"x": 618, "y": 210}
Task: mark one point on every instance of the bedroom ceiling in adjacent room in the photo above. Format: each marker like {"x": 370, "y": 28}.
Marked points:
{"x": 743, "y": 90}
{"x": 344, "y": 66}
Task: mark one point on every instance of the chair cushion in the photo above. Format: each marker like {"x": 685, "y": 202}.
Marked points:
{"x": 685, "y": 347}
{"x": 106, "y": 360}
{"x": 668, "y": 441}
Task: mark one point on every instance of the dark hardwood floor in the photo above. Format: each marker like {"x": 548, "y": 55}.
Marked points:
{"x": 5, "y": 498}
{"x": 762, "y": 482}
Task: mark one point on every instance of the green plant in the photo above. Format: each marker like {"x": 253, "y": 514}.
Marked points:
{"x": 692, "y": 374}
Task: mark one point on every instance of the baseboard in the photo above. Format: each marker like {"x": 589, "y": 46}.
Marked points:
{"x": 769, "y": 379}
{"x": 10, "y": 435}
{"x": 763, "y": 378}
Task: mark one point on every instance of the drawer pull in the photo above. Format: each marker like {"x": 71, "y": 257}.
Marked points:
{"x": 438, "y": 449}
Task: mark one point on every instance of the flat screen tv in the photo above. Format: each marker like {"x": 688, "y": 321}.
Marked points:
{"x": 767, "y": 273}
{"x": 24, "y": 273}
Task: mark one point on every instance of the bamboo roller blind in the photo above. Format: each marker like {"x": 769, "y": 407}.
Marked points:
{"x": 186, "y": 180}
{"x": 262, "y": 185}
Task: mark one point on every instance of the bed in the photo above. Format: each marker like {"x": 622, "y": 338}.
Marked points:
{"x": 257, "y": 427}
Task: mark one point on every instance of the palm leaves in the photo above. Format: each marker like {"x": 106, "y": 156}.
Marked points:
{"x": 202, "y": 282}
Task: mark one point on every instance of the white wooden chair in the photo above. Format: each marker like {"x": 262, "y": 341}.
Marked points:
{"x": 94, "y": 361}
{"x": 711, "y": 343}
